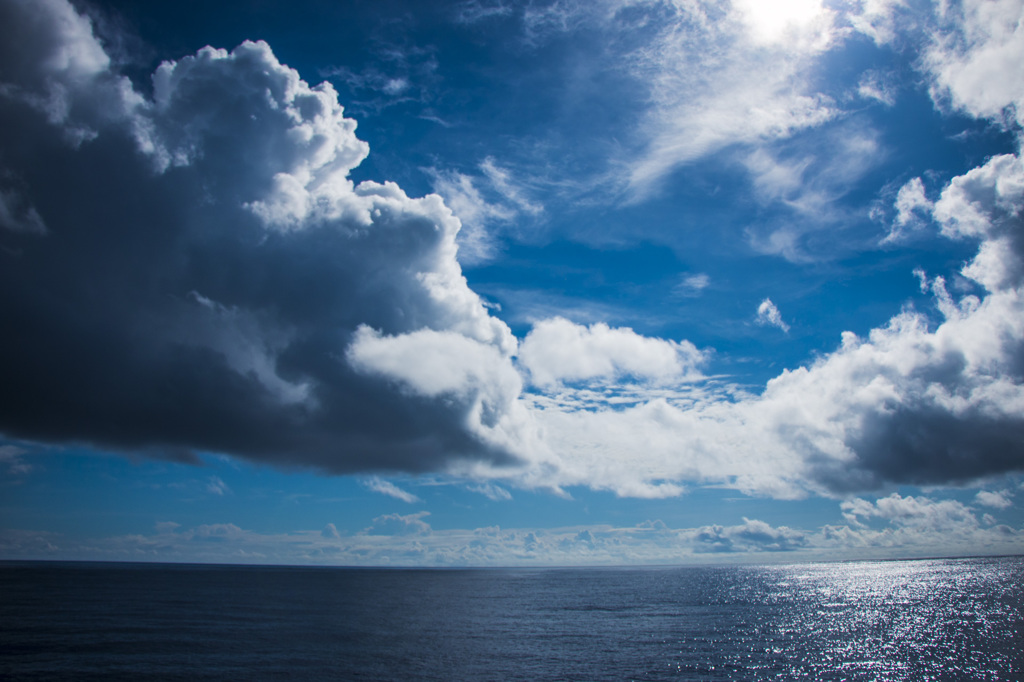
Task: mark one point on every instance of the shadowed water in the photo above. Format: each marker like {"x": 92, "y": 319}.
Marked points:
{"x": 905, "y": 620}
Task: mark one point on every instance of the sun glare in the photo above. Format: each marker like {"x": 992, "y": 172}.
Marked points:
{"x": 771, "y": 22}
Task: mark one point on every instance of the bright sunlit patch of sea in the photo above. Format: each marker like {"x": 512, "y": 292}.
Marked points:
{"x": 957, "y": 619}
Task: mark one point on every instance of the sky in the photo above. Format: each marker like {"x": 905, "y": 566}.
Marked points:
{"x": 498, "y": 283}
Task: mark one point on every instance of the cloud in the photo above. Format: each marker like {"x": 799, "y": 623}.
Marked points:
{"x": 876, "y": 86}
{"x": 52, "y": 63}
{"x": 911, "y": 204}
{"x": 473, "y": 11}
{"x": 974, "y": 58}
{"x": 12, "y": 457}
{"x": 502, "y": 181}
{"x": 215, "y": 486}
{"x": 502, "y": 200}
{"x": 379, "y": 485}
{"x": 211, "y": 280}
{"x": 17, "y": 213}
{"x": 476, "y": 242}
{"x": 721, "y": 76}
{"x": 557, "y": 350}
{"x": 997, "y": 500}
{"x": 222, "y": 325}
{"x": 889, "y": 527}
{"x": 920, "y": 513}
{"x": 985, "y": 204}
{"x": 217, "y": 532}
{"x": 916, "y": 401}
{"x": 692, "y": 285}
{"x": 492, "y": 492}
{"x": 750, "y": 536}
{"x": 396, "y": 524}
{"x": 768, "y": 314}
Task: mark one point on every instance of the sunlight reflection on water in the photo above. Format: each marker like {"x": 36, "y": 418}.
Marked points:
{"x": 899, "y": 620}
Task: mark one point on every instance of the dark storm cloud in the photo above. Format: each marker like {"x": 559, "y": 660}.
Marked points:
{"x": 201, "y": 263}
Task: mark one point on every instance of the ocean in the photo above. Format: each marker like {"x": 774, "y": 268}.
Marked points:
{"x": 960, "y": 619}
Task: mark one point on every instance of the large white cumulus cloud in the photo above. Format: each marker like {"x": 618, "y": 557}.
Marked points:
{"x": 556, "y": 350}
{"x": 203, "y": 262}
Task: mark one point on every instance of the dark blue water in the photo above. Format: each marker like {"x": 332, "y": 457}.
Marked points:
{"x": 907, "y": 620}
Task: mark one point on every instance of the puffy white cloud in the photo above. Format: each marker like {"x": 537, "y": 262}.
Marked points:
{"x": 976, "y": 55}
{"x": 768, "y": 314}
{"x": 986, "y": 204}
{"x": 208, "y": 242}
{"x": 911, "y": 203}
{"x": 478, "y": 377}
{"x": 750, "y": 536}
{"x": 557, "y": 350}
{"x": 999, "y": 499}
{"x": 913, "y": 402}
{"x": 916, "y": 512}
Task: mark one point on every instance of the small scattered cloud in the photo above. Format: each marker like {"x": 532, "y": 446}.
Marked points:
{"x": 12, "y": 456}
{"x": 397, "y": 524}
{"x": 490, "y": 491}
{"x": 475, "y": 11}
{"x": 878, "y": 87}
{"x": 997, "y": 500}
{"x": 17, "y": 213}
{"x": 215, "y": 486}
{"x": 914, "y": 512}
{"x": 750, "y": 536}
{"x": 692, "y": 285}
{"x": 379, "y": 485}
{"x": 912, "y": 208}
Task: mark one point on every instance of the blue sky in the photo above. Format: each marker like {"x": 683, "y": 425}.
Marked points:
{"x": 511, "y": 283}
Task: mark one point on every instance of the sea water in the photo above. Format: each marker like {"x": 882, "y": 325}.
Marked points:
{"x": 957, "y": 619}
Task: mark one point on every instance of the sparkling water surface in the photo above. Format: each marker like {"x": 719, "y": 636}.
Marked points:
{"x": 957, "y": 619}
